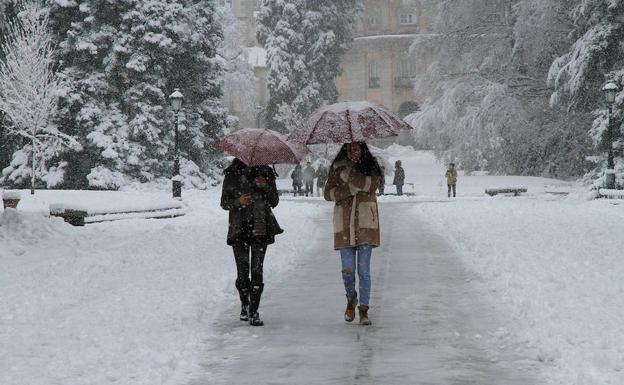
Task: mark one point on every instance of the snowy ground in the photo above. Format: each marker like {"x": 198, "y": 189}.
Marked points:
{"x": 141, "y": 301}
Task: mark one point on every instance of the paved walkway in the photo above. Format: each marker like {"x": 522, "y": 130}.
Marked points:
{"x": 427, "y": 321}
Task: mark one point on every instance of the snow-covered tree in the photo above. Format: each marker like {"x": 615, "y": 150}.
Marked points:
{"x": 124, "y": 58}
{"x": 578, "y": 75}
{"x": 30, "y": 90}
{"x": 305, "y": 40}
{"x": 239, "y": 81}
{"x": 486, "y": 77}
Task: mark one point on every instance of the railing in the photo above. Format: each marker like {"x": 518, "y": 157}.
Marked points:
{"x": 403, "y": 82}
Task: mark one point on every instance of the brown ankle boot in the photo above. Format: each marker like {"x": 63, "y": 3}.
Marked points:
{"x": 364, "y": 315}
{"x": 350, "y": 312}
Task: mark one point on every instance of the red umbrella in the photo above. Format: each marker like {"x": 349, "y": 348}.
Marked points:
{"x": 348, "y": 122}
{"x": 259, "y": 147}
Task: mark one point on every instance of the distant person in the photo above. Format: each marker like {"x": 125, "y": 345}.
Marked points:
{"x": 308, "y": 179}
{"x": 352, "y": 182}
{"x": 297, "y": 180}
{"x": 451, "y": 179}
{"x": 249, "y": 194}
{"x": 382, "y": 181}
{"x": 321, "y": 178}
{"x": 399, "y": 177}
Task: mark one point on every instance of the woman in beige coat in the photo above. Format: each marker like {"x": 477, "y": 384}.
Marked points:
{"x": 352, "y": 182}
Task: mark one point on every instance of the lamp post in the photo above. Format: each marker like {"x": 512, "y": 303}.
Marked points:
{"x": 610, "y": 90}
{"x": 176, "y": 99}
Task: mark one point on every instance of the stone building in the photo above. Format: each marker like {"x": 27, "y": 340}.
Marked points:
{"x": 244, "y": 11}
{"x": 378, "y": 67}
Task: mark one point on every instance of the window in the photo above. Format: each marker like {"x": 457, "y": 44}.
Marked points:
{"x": 373, "y": 20}
{"x": 404, "y": 69}
{"x": 403, "y": 78}
{"x": 407, "y": 18}
{"x": 373, "y": 75}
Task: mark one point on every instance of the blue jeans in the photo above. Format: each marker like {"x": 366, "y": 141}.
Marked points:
{"x": 349, "y": 255}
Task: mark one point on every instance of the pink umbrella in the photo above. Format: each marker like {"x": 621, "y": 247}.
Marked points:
{"x": 260, "y": 147}
{"x": 348, "y": 122}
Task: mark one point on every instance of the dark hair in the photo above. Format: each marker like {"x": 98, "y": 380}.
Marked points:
{"x": 239, "y": 167}
{"x": 367, "y": 165}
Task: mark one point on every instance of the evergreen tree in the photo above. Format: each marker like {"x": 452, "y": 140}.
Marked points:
{"x": 578, "y": 75}
{"x": 305, "y": 40}
{"x": 123, "y": 59}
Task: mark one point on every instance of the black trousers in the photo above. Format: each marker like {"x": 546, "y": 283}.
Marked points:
{"x": 451, "y": 187}
{"x": 309, "y": 188}
{"x": 249, "y": 266}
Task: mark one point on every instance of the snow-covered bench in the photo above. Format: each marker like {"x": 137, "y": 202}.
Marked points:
{"x": 79, "y": 216}
{"x": 611, "y": 193}
{"x": 506, "y": 190}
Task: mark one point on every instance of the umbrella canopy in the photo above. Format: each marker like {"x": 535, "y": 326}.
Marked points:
{"x": 348, "y": 122}
{"x": 260, "y": 147}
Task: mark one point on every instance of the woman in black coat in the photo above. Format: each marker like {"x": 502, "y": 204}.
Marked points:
{"x": 249, "y": 194}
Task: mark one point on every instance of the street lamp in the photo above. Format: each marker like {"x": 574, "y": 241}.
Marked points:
{"x": 176, "y": 99}
{"x": 610, "y": 90}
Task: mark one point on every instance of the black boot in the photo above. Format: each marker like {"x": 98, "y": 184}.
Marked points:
{"x": 254, "y": 303}
{"x": 243, "y": 292}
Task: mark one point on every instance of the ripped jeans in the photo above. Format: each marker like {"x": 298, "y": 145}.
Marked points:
{"x": 360, "y": 256}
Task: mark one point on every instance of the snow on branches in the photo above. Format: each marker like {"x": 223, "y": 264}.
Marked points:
{"x": 305, "y": 40}
{"x": 30, "y": 91}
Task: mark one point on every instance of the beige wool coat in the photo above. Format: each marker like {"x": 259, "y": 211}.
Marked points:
{"x": 356, "y": 216}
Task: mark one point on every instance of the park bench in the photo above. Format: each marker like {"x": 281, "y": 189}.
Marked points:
{"x": 506, "y": 190}
{"x": 611, "y": 193}
{"x": 79, "y": 216}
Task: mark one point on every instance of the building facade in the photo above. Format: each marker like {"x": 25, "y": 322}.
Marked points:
{"x": 378, "y": 68}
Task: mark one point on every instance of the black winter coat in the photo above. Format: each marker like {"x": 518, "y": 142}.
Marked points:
{"x": 240, "y": 180}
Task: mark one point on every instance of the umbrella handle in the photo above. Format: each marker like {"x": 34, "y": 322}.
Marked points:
{"x": 275, "y": 171}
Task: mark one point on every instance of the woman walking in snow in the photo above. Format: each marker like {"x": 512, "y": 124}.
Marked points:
{"x": 249, "y": 194}
{"x": 353, "y": 180}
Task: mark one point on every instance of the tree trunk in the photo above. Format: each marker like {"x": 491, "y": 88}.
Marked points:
{"x": 32, "y": 176}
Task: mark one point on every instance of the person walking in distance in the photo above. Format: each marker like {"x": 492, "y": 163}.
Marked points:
{"x": 399, "y": 177}
{"x": 451, "y": 179}
{"x": 297, "y": 180}
{"x": 352, "y": 182}
{"x": 250, "y": 194}
{"x": 308, "y": 179}
{"x": 321, "y": 178}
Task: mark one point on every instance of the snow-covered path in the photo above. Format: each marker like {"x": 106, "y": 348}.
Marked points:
{"x": 430, "y": 326}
